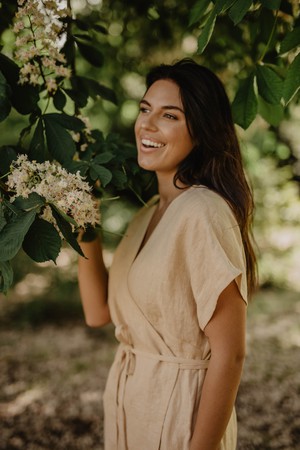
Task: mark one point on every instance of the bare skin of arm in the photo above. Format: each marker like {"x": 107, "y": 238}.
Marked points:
{"x": 93, "y": 284}
{"x": 226, "y": 333}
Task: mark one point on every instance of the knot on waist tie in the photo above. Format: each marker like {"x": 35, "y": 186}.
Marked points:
{"x": 129, "y": 354}
{"x": 128, "y": 359}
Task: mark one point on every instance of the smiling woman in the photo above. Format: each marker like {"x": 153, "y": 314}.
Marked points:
{"x": 177, "y": 288}
{"x": 162, "y": 136}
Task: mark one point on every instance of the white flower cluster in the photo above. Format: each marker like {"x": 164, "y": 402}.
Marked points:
{"x": 38, "y": 29}
{"x": 69, "y": 192}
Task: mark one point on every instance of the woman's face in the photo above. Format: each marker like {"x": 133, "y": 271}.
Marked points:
{"x": 161, "y": 131}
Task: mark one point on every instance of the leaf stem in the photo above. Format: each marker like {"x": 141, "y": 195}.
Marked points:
{"x": 137, "y": 195}
{"x": 270, "y": 38}
{"x": 114, "y": 233}
{"x": 47, "y": 104}
{"x": 108, "y": 199}
{"x": 5, "y": 175}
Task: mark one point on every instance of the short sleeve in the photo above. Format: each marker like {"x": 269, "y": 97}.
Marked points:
{"x": 215, "y": 257}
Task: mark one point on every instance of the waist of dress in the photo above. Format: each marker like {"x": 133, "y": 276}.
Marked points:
{"x": 129, "y": 352}
{"x": 126, "y": 359}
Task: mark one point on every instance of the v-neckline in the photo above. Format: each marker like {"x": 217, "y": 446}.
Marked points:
{"x": 144, "y": 230}
{"x": 141, "y": 246}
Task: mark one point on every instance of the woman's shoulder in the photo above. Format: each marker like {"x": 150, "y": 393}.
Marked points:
{"x": 200, "y": 200}
{"x": 204, "y": 195}
{"x": 201, "y": 207}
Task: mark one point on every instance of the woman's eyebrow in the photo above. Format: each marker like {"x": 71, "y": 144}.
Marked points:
{"x": 163, "y": 107}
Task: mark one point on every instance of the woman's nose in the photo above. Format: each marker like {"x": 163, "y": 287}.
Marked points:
{"x": 149, "y": 122}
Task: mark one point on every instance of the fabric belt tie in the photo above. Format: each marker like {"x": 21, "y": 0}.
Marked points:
{"x": 127, "y": 357}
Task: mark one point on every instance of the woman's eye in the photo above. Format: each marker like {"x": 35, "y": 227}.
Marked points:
{"x": 170, "y": 116}
{"x": 143, "y": 109}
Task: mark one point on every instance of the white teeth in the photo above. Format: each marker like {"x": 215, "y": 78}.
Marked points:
{"x": 149, "y": 143}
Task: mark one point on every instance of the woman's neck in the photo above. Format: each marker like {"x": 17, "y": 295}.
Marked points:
{"x": 167, "y": 191}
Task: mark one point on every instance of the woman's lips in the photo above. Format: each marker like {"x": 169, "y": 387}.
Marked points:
{"x": 148, "y": 145}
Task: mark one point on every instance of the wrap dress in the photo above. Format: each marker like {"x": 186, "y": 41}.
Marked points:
{"x": 161, "y": 297}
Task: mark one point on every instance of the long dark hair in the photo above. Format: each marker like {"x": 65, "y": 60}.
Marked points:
{"x": 215, "y": 160}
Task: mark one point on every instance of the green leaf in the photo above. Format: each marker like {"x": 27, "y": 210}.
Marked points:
{"x": 68, "y": 50}
{"x": 35, "y": 115}
{"x": 100, "y": 173}
{"x": 103, "y": 158}
{"x": 9, "y": 69}
{"x": 12, "y": 235}
{"x": 279, "y": 70}
{"x": 82, "y": 37}
{"x": 42, "y": 241}
{"x": 91, "y": 54}
{"x": 95, "y": 89}
{"x": 2, "y": 216}
{"x": 5, "y": 94}
{"x": 290, "y": 41}
{"x": 33, "y": 201}
{"x": 269, "y": 84}
{"x": 273, "y": 114}
{"x": 206, "y": 33}
{"x": 37, "y": 148}
{"x": 63, "y": 215}
{"x": 65, "y": 121}
{"x": 244, "y": 106}
{"x": 75, "y": 166}
{"x": 106, "y": 93}
{"x": 292, "y": 81}
{"x": 12, "y": 209}
{"x": 80, "y": 98}
{"x": 66, "y": 231}
{"x": 222, "y": 5}
{"x": 239, "y": 10}
{"x": 271, "y": 4}
{"x": 59, "y": 100}
{"x": 6, "y": 276}
{"x": 119, "y": 179}
{"x": 197, "y": 11}
{"x": 82, "y": 24}
{"x": 263, "y": 22}
{"x": 25, "y": 98}
{"x": 7, "y": 156}
{"x": 100, "y": 28}
{"x": 59, "y": 141}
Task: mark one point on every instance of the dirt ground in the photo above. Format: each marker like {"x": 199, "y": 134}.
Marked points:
{"x": 52, "y": 378}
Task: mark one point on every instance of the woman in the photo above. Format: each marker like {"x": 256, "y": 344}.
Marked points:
{"x": 178, "y": 285}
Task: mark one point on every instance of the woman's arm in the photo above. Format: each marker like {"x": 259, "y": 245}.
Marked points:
{"x": 93, "y": 281}
{"x": 226, "y": 333}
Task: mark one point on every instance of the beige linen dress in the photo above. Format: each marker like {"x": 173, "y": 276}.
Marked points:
{"x": 161, "y": 298}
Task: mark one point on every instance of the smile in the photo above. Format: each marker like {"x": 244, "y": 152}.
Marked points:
{"x": 147, "y": 143}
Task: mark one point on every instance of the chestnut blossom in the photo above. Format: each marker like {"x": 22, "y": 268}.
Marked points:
{"x": 67, "y": 191}
{"x": 51, "y": 85}
{"x": 38, "y": 30}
